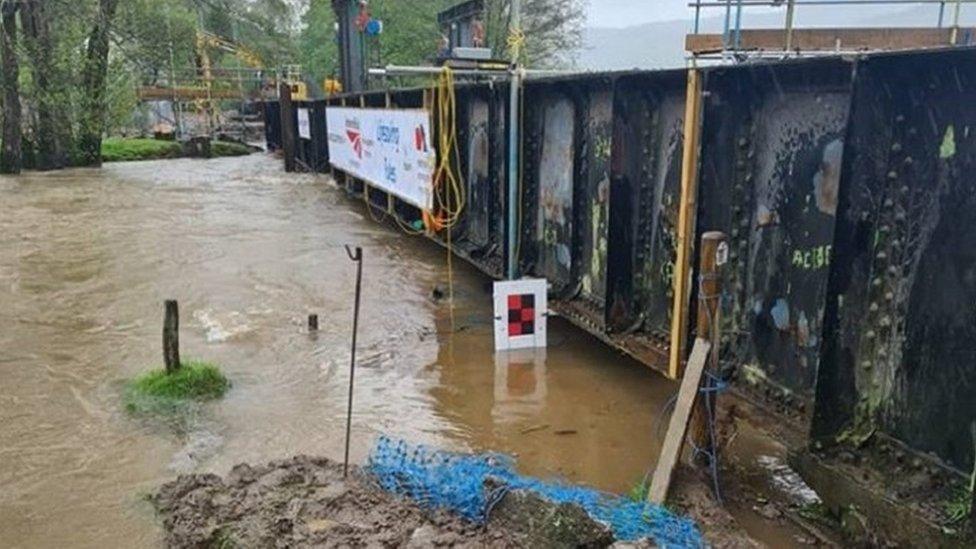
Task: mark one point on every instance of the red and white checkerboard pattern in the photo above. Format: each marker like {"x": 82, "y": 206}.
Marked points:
{"x": 520, "y": 314}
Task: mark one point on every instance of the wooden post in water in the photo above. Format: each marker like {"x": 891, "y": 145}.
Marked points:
{"x": 287, "y": 127}
{"x": 714, "y": 255}
{"x": 171, "y": 336}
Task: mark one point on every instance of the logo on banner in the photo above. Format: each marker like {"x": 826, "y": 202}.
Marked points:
{"x": 420, "y": 139}
{"x": 356, "y": 140}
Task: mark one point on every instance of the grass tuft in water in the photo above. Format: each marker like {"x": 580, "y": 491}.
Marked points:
{"x": 958, "y": 506}
{"x": 159, "y": 391}
{"x": 117, "y": 149}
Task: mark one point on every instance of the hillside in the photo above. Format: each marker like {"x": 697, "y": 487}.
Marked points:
{"x": 661, "y": 44}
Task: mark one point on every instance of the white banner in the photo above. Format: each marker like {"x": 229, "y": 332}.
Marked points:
{"x": 389, "y": 148}
{"x": 304, "y": 126}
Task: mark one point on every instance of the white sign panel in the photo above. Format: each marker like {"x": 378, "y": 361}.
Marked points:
{"x": 304, "y": 126}
{"x": 389, "y": 148}
{"x": 521, "y": 308}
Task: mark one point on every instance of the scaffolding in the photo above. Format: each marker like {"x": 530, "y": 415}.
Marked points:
{"x": 739, "y": 43}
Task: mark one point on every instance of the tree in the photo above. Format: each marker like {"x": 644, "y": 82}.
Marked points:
{"x": 95, "y": 72}
{"x": 35, "y": 21}
{"x": 11, "y": 158}
{"x": 552, "y": 30}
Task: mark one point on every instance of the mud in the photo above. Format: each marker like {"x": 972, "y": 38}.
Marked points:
{"x": 304, "y": 502}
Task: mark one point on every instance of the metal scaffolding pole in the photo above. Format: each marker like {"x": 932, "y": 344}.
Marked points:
{"x": 515, "y": 35}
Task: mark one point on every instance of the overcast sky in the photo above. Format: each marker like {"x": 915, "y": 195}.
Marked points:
{"x": 624, "y": 13}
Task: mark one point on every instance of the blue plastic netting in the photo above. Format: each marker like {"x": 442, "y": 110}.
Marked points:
{"x": 444, "y": 480}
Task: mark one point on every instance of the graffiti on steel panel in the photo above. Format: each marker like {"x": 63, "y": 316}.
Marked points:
{"x": 556, "y": 168}
{"x": 797, "y": 181}
{"x": 594, "y": 280}
{"x": 667, "y": 177}
{"x": 479, "y": 187}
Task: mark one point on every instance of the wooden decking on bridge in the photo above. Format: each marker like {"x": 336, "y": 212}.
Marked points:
{"x": 849, "y": 39}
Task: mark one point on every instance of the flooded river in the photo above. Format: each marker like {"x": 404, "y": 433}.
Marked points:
{"x": 87, "y": 258}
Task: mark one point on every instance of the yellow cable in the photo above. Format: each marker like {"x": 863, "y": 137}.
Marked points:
{"x": 449, "y": 191}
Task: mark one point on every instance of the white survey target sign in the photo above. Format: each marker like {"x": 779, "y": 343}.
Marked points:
{"x": 521, "y": 308}
{"x": 391, "y": 149}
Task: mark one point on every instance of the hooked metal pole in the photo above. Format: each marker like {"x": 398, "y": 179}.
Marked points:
{"x": 357, "y": 257}
{"x": 515, "y": 36}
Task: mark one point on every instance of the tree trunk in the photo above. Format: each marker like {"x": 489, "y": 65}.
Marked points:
{"x": 96, "y": 69}
{"x": 11, "y": 159}
{"x": 35, "y": 20}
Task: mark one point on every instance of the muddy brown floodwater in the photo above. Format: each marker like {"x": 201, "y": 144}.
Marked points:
{"x": 87, "y": 258}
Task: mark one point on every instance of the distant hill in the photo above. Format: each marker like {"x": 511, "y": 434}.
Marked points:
{"x": 661, "y": 44}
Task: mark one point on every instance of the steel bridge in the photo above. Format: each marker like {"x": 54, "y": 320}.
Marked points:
{"x": 846, "y": 187}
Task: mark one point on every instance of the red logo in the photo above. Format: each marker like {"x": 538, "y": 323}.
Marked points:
{"x": 356, "y": 139}
{"x": 420, "y": 139}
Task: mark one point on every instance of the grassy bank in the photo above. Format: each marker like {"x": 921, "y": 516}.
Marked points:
{"x": 159, "y": 391}
{"x": 122, "y": 149}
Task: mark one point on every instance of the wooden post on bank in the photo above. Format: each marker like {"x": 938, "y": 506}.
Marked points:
{"x": 714, "y": 255}
{"x": 287, "y": 127}
{"x": 171, "y": 336}
{"x": 686, "y": 223}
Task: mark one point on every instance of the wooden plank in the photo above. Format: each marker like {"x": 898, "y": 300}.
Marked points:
{"x": 686, "y": 223}
{"x": 151, "y": 93}
{"x": 678, "y": 427}
{"x": 846, "y": 39}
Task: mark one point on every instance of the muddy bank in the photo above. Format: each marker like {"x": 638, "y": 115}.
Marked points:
{"x": 303, "y": 502}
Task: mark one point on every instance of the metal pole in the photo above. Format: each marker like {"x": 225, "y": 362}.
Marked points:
{"x": 728, "y": 22}
{"x": 358, "y": 258}
{"x": 738, "y": 25}
{"x": 789, "y": 24}
{"x": 513, "y": 139}
{"x": 941, "y": 14}
{"x": 954, "y": 37}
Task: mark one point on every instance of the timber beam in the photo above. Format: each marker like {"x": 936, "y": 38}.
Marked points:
{"x": 851, "y": 39}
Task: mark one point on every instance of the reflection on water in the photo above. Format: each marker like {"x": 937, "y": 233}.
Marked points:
{"x": 520, "y": 384}
{"x": 87, "y": 258}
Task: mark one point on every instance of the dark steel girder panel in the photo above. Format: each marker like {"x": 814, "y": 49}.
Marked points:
{"x": 772, "y": 145}
{"x": 645, "y": 188}
{"x": 549, "y": 164}
{"x": 900, "y": 334}
{"x": 569, "y": 131}
{"x": 272, "y": 124}
{"x": 481, "y": 148}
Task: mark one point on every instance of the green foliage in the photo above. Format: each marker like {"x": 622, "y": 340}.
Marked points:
{"x": 122, "y": 149}
{"x": 638, "y": 492}
{"x": 958, "y": 507}
{"x": 116, "y": 149}
{"x": 410, "y": 35}
{"x": 229, "y": 148}
{"x": 317, "y": 43}
{"x": 157, "y": 390}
